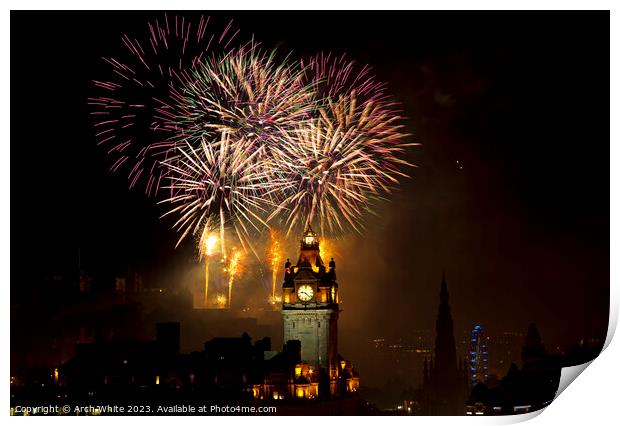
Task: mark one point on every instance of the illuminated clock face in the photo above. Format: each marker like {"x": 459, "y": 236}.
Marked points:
{"x": 305, "y": 293}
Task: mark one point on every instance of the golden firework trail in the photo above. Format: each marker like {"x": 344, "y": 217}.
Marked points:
{"x": 208, "y": 244}
{"x": 274, "y": 255}
{"x": 232, "y": 269}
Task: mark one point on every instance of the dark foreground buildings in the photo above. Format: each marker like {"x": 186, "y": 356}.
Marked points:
{"x": 529, "y": 388}
{"x": 456, "y": 384}
{"x": 308, "y": 376}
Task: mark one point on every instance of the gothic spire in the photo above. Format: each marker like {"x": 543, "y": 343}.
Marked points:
{"x": 445, "y": 347}
{"x": 443, "y": 294}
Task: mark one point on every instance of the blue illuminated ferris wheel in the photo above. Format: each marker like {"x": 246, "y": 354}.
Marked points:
{"x": 478, "y": 356}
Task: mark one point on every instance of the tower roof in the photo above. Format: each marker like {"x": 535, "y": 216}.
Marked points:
{"x": 306, "y": 274}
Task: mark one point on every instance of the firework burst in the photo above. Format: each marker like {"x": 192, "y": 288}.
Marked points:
{"x": 244, "y": 140}
{"x": 124, "y": 104}
{"x": 332, "y": 76}
{"x": 345, "y": 161}
{"x": 247, "y": 95}
{"x": 226, "y": 120}
{"x": 217, "y": 185}
{"x": 347, "y": 156}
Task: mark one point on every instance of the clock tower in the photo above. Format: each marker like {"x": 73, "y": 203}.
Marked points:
{"x": 310, "y": 306}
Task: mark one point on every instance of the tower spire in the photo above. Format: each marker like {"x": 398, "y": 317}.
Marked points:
{"x": 445, "y": 381}
{"x": 445, "y": 347}
{"x": 443, "y": 294}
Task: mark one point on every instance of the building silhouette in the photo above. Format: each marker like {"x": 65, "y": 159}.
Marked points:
{"x": 308, "y": 369}
{"x": 445, "y": 382}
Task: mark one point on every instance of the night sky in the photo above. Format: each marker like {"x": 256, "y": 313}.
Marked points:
{"x": 510, "y": 197}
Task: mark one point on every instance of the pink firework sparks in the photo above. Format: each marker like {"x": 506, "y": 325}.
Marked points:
{"x": 123, "y": 105}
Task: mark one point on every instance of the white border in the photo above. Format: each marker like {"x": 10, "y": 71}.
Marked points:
{"x": 593, "y": 399}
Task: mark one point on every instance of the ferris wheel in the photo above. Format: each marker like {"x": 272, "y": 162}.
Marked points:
{"x": 478, "y": 356}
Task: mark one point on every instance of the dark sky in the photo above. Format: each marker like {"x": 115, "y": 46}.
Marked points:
{"x": 520, "y": 100}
